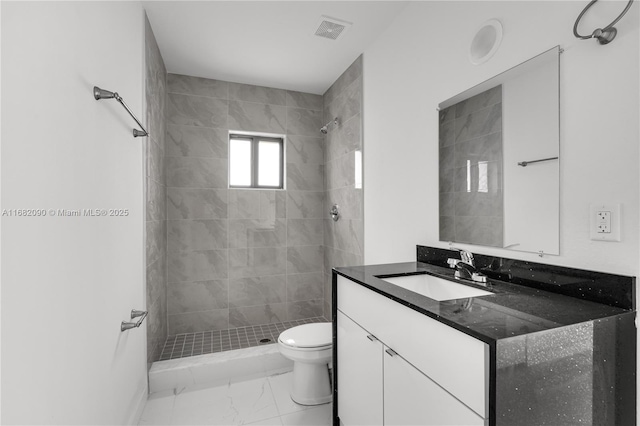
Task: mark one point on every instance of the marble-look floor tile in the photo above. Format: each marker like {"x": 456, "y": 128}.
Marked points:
{"x": 234, "y": 404}
{"x": 281, "y": 385}
{"x": 158, "y": 410}
{"x": 275, "y": 421}
{"x": 316, "y": 416}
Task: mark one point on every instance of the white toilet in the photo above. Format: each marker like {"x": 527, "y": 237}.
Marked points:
{"x": 309, "y": 346}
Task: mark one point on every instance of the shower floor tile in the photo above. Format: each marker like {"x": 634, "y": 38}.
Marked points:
{"x": 206, "y": 342}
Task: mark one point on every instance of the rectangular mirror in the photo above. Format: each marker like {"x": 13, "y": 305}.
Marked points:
{"x": 499, "y": 168}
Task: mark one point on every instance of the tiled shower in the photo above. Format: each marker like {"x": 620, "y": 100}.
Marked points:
{"x": 235, "y": 259}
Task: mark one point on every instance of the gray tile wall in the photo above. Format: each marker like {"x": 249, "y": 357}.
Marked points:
{"x": 241, "y": 257}
{"x": 156, "y": 224}
{"x": 471, "y": 194}
{"x": 344, "y": 239}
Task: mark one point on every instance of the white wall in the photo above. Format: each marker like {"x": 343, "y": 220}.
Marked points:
{"x": 421, "y": 60}
{"x": 68, "y": 282}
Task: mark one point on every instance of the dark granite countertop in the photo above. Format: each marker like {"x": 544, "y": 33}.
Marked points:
{"x": 512, "y": 310}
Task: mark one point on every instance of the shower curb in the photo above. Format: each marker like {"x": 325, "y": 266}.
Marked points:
{"x": 217, "y": 368}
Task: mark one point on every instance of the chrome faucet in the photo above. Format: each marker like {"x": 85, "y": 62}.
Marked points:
{"x": 465, "y": 267}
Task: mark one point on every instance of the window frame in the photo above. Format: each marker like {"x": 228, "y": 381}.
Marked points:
{"x": 255, "y": 160}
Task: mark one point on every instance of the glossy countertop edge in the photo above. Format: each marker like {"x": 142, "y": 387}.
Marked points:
{"x": 447, "y": 312}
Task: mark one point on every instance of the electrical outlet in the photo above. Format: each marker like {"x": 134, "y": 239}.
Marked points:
{"x": 605, "y": 222}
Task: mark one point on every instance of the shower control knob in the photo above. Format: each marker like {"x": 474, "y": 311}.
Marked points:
{"x": 335, "y": 214}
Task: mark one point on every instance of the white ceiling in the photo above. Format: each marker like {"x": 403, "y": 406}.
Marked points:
{"x": 266, "y": 43}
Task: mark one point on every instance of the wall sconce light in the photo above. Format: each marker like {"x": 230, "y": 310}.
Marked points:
{"x": 486, "y": 42}
{"x": 603, "y": 35}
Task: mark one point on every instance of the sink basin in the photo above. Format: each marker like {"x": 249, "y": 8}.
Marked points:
{"x": 436, "y": 288}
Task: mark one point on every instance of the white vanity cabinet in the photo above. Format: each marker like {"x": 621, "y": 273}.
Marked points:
{"x": 398, "y": 366}
{"x": 360, "y": 374}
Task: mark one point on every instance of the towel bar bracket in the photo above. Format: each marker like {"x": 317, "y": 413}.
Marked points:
{"x": 99, "y": 93}
{"x": 128, "y": 325}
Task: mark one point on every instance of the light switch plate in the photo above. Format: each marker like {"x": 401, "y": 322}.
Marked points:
{"x": 604, "y": 222}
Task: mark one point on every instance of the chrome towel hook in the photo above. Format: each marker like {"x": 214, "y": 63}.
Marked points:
{"x": 604, "y": 35}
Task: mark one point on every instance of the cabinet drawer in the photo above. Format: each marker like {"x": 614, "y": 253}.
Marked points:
{"x": 457, "y": 362}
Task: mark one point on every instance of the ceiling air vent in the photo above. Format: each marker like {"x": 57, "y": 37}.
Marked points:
{"x": 332, "y": 28}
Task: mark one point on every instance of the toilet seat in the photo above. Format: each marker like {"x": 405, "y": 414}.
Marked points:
{"x": 314, "y": 336}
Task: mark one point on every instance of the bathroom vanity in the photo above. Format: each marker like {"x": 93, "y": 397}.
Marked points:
{"x": 513, "y": 352}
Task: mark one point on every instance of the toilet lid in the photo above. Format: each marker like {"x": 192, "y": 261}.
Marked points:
{"x": 308, "y": 335}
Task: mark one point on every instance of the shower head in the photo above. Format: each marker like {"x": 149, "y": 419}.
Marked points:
{"x": 325, "y": 129}
{"x": 99, "y": 93}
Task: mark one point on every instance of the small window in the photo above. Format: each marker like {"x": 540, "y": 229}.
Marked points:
{"x": 256, "y": 162}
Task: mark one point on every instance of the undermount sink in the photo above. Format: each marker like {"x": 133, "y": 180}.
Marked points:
{"x": 435, "y": 288}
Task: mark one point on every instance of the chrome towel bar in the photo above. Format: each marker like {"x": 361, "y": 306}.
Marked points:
{"x": 525, "y": 163}
{"x": 127, "y": 325}
{"x": 99, "y": 93}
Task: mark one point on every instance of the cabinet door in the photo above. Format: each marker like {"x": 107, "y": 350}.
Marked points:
{"x": 411, "y": 398}
{"x": 359, "y": 374}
